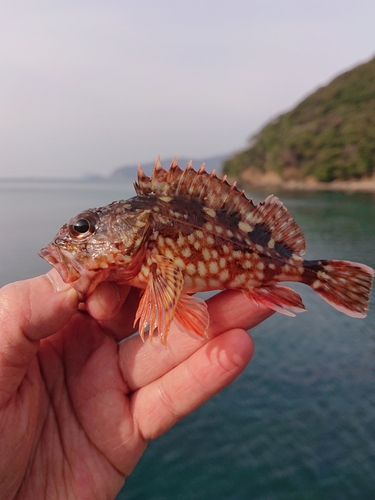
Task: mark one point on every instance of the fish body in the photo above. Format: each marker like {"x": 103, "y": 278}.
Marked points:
{"x": 186, "y": 232}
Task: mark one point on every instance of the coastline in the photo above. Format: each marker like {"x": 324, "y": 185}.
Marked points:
{"x": 253, "y": 179}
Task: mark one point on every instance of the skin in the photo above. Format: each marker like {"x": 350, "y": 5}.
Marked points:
{"x": 77, "y": 408}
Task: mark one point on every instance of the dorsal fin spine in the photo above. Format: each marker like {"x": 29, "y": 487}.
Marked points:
{"x": 217, "y": 193}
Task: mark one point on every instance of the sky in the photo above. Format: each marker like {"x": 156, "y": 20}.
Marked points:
{"x": 89, "y": 86}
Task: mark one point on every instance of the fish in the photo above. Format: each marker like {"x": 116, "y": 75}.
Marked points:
{"x": 189, "y": 231}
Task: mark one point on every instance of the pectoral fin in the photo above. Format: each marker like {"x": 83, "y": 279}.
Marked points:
{"x": 158, "y": 304}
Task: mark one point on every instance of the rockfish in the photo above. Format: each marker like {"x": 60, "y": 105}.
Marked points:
{"x": 186, "y": 232}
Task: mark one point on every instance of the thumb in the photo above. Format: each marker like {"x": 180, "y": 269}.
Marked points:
{"x": 30, "y": 310}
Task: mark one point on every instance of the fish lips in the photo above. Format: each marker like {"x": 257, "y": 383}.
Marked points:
{"x": 84, "y": 281}
{"x": 55, "y": 256}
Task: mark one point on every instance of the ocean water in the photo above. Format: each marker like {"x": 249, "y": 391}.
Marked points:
{"x": 299, "y": 423}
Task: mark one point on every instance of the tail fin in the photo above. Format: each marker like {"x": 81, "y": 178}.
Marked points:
{"x": 344, "y": 285}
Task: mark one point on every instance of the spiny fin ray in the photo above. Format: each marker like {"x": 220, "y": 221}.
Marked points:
{"x": 279, "y": 298}
{"x": 270, "y": 216}
{"x": 158, "y": 304}
{"x": 216, "y": 193}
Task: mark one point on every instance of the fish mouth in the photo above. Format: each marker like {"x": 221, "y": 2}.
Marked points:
{"x": 62, "y": 263}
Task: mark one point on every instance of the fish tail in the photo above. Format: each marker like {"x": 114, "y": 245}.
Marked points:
{"x": 344, "y": 285}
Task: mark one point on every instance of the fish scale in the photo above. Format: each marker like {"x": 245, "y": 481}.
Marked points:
{"x": 188, "y": 231}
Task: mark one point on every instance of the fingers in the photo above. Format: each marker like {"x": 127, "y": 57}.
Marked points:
{"x": 161, "y": 404}
{"x": 30, "y": 311}
{"x": 36, "y": 308}
{"x": 231, "y": 309}
{"x": 114, "y": 306}
{"x": 106, "y": 300}
{"x": 142, "y": 363}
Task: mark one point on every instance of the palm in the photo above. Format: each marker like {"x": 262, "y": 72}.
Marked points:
{"x": 87, "y": 405}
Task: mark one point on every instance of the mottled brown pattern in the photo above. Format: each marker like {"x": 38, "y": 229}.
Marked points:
{"x": 189, "y": 231}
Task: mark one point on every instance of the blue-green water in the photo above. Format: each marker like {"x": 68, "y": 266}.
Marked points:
{"x": 299, "y": 423}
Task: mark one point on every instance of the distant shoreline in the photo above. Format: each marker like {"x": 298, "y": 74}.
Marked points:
{"x": 249, "y": 179}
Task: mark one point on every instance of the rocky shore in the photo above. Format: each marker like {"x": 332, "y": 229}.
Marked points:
{"x": 254, "y": 179}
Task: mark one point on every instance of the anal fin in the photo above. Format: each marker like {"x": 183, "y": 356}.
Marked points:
{"x": 192, "y": 317}
{"x": 279, "y": 298}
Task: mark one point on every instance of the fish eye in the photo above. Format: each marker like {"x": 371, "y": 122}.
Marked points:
{"x": 82, "y": 226}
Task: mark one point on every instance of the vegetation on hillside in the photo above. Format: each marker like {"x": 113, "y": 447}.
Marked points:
{"x": 329, "y": 135}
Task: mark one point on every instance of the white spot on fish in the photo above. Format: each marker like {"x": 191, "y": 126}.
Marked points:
{"x": 202, "y": 271}
{"x": 168, "y": 253}
{"x": 259, "y": 275}
{"x": 180, "y": 263}
{"x": 175, "y": 214}
{"x": 323, "y": 275}
{"x": 224, "y": 275}
{"x": 145, "y": 271}
{"x": 180, "y": 241}
{"x": 110, "y": 258}
{"x": 209, "y": 211}
{"x": 244, "y": 226}
{"x": 213, "y": 267}
{"x": 238, "y": 281}
{"x": 186, "y": 252}
{"x": 190, "y": 269}
{"x": 215, "y": 284}
{"x": 206, "y": 254}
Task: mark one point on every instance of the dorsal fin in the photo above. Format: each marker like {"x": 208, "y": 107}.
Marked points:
{"x": 273, "y": 218}
{"x": 216, "y": 193}
{"x": 270, "y": 216}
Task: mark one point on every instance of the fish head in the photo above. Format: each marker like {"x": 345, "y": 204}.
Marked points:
{"x": 101, "y": 244}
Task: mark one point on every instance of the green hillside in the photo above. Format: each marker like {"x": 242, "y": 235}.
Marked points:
{"x": 329, "y": 135}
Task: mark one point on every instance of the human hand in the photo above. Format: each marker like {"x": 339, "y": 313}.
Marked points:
{"x": 77, "y": 408}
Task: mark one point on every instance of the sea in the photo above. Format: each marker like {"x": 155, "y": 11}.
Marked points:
{"x": 299, "y": 422}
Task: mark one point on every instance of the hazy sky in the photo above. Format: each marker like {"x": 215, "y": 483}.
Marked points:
{"x": 88, "y": 86}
